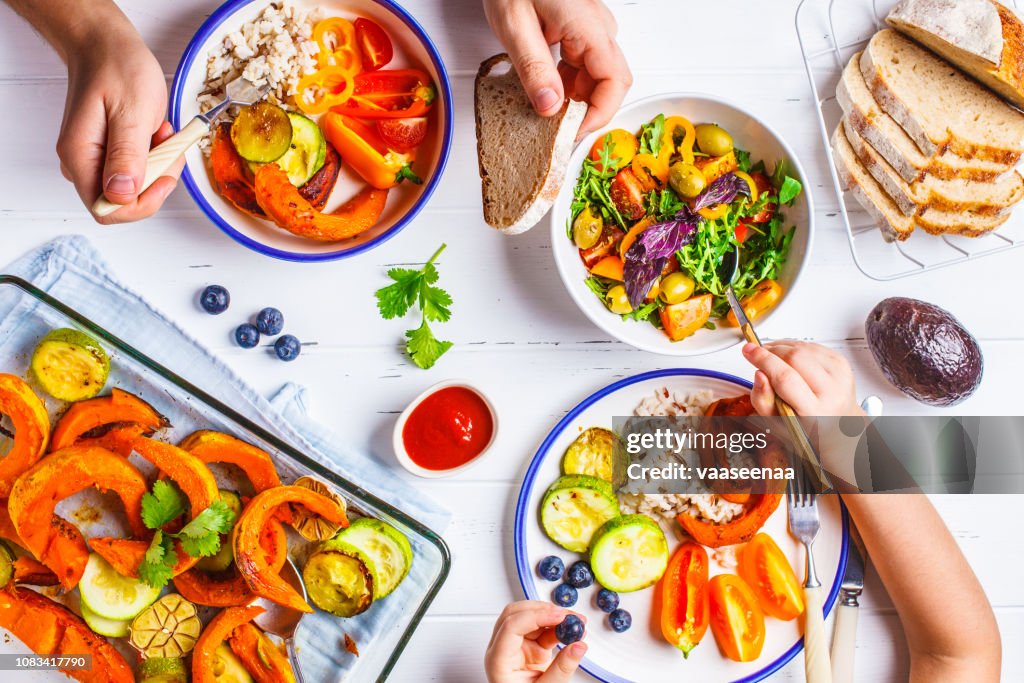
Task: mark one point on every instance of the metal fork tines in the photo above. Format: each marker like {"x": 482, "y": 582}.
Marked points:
{"x": 804, "y": 525}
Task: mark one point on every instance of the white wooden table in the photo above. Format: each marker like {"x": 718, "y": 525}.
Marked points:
{"x": 516, "y": 331}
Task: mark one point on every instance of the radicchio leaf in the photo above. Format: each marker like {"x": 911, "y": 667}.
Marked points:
{"x": 647, "y": 256}
{"x": 722, "y": 191}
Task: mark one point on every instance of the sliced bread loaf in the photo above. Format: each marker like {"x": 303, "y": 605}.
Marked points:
{"x": 982, "y": 37}
{"x": 883, "y": 133}
{"x": 522, "y": 156}
{"x": 891, "y": 221}
{"x": 988, "y": 199}
{"x": 938, "y": 105}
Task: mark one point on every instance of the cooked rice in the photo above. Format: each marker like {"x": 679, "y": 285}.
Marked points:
{"x": 276, "y": 49}
{"x": 665, "y": 507}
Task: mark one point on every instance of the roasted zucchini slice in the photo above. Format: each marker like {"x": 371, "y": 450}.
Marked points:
{"x": 70, "y": 365}
{"x": 338, "y": 579}
{"x": 262, "y": 132}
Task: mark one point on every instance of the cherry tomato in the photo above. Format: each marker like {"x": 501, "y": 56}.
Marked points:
{"x": 768, "y": 573}
{"x": 403, "y": 135}
{"x": 742, "y": 232}
{"x": 374, "y": 44}
{"x": 763, "y": 185}
{"x": 737, "y": 621}
{"x": 684, "y": 597}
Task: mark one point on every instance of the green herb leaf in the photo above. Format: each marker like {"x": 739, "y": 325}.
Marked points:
{"x": 162, "y": 506}
{"x": 650, "y": 135}
{"x": 743, "y": 159}
{"x": 644, "y": 312}
{"x": 395, "y": 300}
{"x": 791, "y": 187}
{"x": 157, "y": 566}
{"x": 423, "y": 347}
{"x": 216, "y": 519}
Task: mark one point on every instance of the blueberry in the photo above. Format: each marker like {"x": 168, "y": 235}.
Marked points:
{"x": 579, "y": 575}
{"x": 607, "y": 600}
{"x": 570, "y": 630}
{"x": 551, "y": 568}
{"x": 620, "y": 620}
{"x": 247, "y": 336}
{"x": 270, "y": 321}
{"x": 215, "y": 299}
{"x": 287, "y": 347}
{"x": 564, "y": 595}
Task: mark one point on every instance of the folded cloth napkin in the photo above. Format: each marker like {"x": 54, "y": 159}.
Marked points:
{"x": 71, "y": 270}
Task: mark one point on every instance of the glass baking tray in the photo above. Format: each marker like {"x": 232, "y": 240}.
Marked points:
{"x": 37, "y": 313}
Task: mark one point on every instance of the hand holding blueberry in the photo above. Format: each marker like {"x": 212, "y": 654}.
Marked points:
{"x": 524, "y": 637}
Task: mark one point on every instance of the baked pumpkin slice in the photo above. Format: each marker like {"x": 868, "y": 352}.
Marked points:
{"x": 31, "y": 429}
{"x": 86, "y": 418}
{"x": 210, "y": 446}
{"x": 53, "y": 540}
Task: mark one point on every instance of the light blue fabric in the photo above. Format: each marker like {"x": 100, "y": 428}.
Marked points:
{"x": 71, "y": 270}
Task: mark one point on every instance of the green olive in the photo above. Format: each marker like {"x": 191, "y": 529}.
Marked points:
{"x": 713, "y": 140}
{"x": 686, "y": 180}
{"x": 617, "y": 300}
{"x": 676, "y": 288}
{"x": 587, "y": 228}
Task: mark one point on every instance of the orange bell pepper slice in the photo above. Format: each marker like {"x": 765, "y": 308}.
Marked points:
{"x": 317, "y": 92}
{"x": 765, "y": 295}
{"x": 684, "y": 598}
{"x": 633, "y": 233}
{"x": 668, "y": 145}
{"x": 338, "y": 47}
{"x": 363, "y": 149}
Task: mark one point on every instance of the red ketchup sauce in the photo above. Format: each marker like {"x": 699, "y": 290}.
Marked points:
{"x": 447, "y": 429}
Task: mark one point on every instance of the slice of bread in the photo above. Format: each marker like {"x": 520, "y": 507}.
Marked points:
{"x": 892, "y": 222}
{"x": 892, "y": 142}
{"x": 982, "y": 37}
{"x": 523, "y": 157}
{"x": 988, "y": 199}
{"x": 938, "y": 105}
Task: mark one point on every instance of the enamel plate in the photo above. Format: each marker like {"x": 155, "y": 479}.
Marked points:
{"x": 641, "y": 654}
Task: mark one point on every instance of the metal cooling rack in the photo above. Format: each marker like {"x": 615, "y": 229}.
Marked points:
{"x": 830, "y": 32}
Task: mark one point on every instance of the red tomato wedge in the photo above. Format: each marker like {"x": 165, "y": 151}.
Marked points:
{"x": 684, "y": 597}
{"x": 403, "y": 135}
{"x": 736, "y": 618}
{"x": 768, "y": 573}
{"x": 374, "y": 44}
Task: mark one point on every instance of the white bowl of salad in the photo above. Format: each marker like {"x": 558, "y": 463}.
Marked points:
{"x": 652, "y": 202}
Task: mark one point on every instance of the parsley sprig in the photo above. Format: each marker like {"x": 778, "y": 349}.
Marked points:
{"x": 418, "y": 287}
{"x": 201, "y": 537}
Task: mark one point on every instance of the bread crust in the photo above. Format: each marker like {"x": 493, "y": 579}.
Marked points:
{"x": 540, "y": 202}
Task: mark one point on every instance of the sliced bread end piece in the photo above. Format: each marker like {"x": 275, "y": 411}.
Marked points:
{"x": 523, "y": 157}
{"x": 982, "y": 37}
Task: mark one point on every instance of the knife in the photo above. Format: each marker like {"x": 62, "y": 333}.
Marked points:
{"x": 845, "y": 637}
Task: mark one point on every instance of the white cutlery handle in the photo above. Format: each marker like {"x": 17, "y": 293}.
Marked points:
{"x": 160, "y": 159}
{"x": 843, "y": 642}
{"x": 816, "y": 657}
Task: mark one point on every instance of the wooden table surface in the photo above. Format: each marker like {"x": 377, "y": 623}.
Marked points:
{"x": 516, "y": 331}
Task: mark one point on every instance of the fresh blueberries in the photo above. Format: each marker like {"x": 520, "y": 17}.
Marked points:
{"x": 607, "y": 601}
{"x": 620, "y": 620}
{"x": 570, "y": 630}
{"x": 579, "y": 575}
{"x": 551, "y": 568}
{"x": 270, "y": 321}
{"x": 564, "y": 595}
{"x": 247, "y": 336}
{"x": 215, "y": 299}
{"x": 287, "y": 347}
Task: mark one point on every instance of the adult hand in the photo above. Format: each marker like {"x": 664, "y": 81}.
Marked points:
{"x": 522, "y": 642}
{"x": 592, "y": 68}
{"x": 814, "y": 380}
{"x": 114, "y": 113}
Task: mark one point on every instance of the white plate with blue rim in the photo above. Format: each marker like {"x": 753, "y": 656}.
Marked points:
{"x": 641, "y": 655}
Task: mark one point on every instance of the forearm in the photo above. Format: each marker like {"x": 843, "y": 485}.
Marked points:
{"x": 951, "y": 630}
{"x": 69, "y": 29}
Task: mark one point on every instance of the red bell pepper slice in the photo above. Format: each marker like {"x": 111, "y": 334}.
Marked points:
{"x": 390, "y": 94}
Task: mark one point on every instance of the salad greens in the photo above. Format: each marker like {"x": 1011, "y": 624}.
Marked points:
{"x": 592, "y": 187}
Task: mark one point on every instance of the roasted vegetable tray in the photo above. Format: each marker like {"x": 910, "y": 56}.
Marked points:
{"x": 380, "y": 634}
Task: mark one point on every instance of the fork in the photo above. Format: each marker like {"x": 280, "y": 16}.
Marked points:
{"x": 804, "y": 525}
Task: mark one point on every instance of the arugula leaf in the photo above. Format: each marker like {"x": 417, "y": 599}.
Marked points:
{"x": 157, "y": 566}
{"x": 650, "y": 135}
{"x": 424, "y": 348}
{"x": 644, "y": 312}
{"x": 162, "y": 506}
{"x": 791, "y": 187}
{"x": 743, "y": 159}
{"x": 592, "y": 187}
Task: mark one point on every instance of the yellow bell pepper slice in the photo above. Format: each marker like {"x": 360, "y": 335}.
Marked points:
{"x": 714, "y": 212}
{"x": 745, "y": 177}
{"x": 685, "y": 148}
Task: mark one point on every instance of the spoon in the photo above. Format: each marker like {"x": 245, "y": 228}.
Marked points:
{"x": 239, "y": 91}
{"x": 727, "y": 270}
{"x": 283, "y": 621}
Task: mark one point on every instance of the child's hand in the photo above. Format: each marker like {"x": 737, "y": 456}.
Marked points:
{"x": 521, "y": 645}
{"x": 814, "y": 380}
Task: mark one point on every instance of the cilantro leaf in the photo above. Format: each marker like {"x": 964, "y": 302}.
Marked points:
{"x": 216, "y": 519}
{"x": 423, "y": 347}
{"x": 201, "y": 546}
{"x": 395, "y": 300}
{"x": 791, "y": 187}
{"x": 157, "y": 566}
{"x": 163, "y": 505}
{"x": 435, "y": 303}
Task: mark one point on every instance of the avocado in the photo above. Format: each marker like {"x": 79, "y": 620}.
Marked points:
{"x": 924, "y": 351}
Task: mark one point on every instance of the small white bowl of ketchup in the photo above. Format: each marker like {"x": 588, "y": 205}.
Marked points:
{"x": 445, "y": 429}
